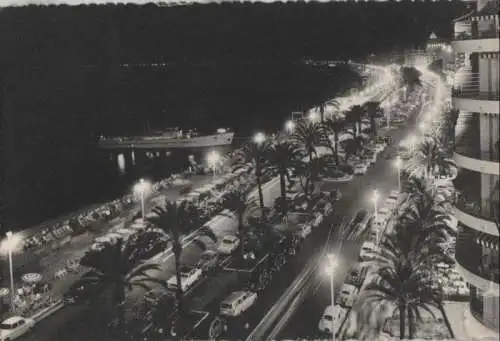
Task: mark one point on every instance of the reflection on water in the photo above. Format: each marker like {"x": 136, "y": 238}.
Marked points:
{"x": 121, "y": 163}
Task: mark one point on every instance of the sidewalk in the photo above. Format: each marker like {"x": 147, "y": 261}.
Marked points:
{"x": 464, "y": 325}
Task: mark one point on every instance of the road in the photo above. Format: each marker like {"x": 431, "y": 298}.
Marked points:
{"x": 304, "y": 321}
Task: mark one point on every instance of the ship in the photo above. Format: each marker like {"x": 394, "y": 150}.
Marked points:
{"x": 170, "y": 138}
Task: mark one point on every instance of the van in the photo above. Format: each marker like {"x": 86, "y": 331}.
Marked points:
{"x": 237, "y": 302}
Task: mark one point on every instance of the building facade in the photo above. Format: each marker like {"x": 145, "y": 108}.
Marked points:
{"x": 475, "y": 96}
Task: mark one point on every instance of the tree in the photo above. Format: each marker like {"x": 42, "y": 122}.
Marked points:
{"x": 309, "y": 172}
{"x": 333, "y": 107}
{"x": 353, "y": 146}
{"x": 254, "y": 153}
{"x": 335, "y": 124}
{"x": 373, "y": 110}
{"x": 308, "y": 134}
{"x": 174, "y": 221}
{"x": 410, "y": 77}
{"x": 237, "y": 202}
{"x": 430, "y": 157}
{"x": 281, "y": 157}
{"x": 354, "y": 116}
{"x": 400, "y": 283}
{"x": 116, "y": 266}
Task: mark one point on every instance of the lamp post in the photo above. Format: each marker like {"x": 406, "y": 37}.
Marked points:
{"x": 140, "y": 188}
{"x": 10, "y": 245}
{"x": 259, "y": 139}
{"x": 375, "y": 202}
{"x": 330, "y": 267}
{"x": 213, "y": 160}
{"x": 398, "y": 167}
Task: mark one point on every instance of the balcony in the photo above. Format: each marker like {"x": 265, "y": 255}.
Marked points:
{"x": 479, "y": 215}
{"x": 473, "y": 94}
{"x": 470, "y": 36}
{"x": 476, "y": 263}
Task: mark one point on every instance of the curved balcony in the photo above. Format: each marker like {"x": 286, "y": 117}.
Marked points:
{"x": 476, "y": 263}
{"x": 472, "y": 93}
{"x": 479, "y": 162}
{"x": 477, "y": 215}
{"x": 475, "y": 38}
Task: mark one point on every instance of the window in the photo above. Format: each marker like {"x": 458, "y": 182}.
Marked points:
{"x": 7, "y": 326}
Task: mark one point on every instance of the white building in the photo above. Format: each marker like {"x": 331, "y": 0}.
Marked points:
{"x": 476, "y": 96}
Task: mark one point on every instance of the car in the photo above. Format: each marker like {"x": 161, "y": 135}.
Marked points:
{"x": 360, "y": 169}
{"x": 209, "y": 260}
{"x": 366, "y": 249}
{"x": 317, "y": 220}
{"x": 394, "y": 193}
{"x": 82, "y": 292}
{"x": 348, "y": 294}
{"x": 379, "y": 147}
{"x": 189, "y": 276}
{"x": 237, "y": 303}
{"x": 384, "y": 213}
{"x": 332, "y": 319}
{"x": 303, "y": 230}
{"x": 391, "y": 202}
{"x": 228, "y": 244}
{"x": 14, "y": 327}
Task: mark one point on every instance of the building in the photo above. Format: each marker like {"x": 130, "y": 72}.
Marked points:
{"x": 417, "y": 57}
{"x": 440, "y": 50}
{"x": 475, "y": 96}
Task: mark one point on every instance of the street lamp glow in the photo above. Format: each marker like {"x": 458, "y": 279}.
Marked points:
{"x": 259, "y": 138}
{"x": 289, "y": 126}
{"x": 422, "y": 126}
{"x": 398, "y": 163}
{"x": 330, "y": 269}
{"x": 375, "y": 198}
{"x": 140, "y": 188}
{"x": 213, "y": 159}
{"x": 313, "y": 116}
{"x": 11, "y": 244}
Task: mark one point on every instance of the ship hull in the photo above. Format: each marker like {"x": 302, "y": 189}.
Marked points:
{"x": 157, "y": 142}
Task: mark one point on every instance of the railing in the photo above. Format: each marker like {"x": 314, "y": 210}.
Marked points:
{"x": 468, "y": 145}
{"x": 471, "y": 34}
{"x": 469, "y": 86}
{"x": 469, "y": 254}
{"x": 484, "y": 209}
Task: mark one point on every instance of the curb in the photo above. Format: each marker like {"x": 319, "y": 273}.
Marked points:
{"x": 46, "y": 312}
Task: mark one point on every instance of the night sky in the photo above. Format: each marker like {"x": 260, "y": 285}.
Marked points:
{"x": 61, "y": 83}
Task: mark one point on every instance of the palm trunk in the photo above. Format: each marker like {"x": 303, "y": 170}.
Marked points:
{"x": 177, "y": 248}
{"x": 411, "y": 326}
{"x": 402, "y": 318}
{"x": 241, "y": 233}
{"x": 322, "y": 113}
{"x": 119, "y": 301}
{"x": 259, "y": 187}
{"x": 283, "y": 192}
{"x": 446, "y": 321}
{"x": 336, "y": 139}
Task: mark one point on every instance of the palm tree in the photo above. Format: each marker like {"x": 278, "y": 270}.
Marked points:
{"x": 254, "y": 153}
{"x": 335, "y": 124}
{"x": 308, "y": 134}
{"x": 400, "y": 284}
{"x": 373, "y": 110}
{"x": 116, "y": 266}
{"x": 354, "y": 116}
{"x": 309, "y": 172}
{"x": 432, "y": 157}
{"x": 237, "y": 202}
{"x": 174, "y": 221}
{"x": 281, "y": 157}
{"x": 353, "y": 146}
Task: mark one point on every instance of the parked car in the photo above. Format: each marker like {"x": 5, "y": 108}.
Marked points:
{"x": 303, "y": 230}
{"x": 360, "y": 169}
{"x": 82, "y": 292}
{"x": 366, "y": 249}
{"x": 317, "y": 220}
{"x": 332, "y": 319}
{"x": 228, "y": 244}
{"x": 209, "y": 261}
{"x": 189, "y": 276}
{"x": 14, "y": 327}
{"x": 237, "y": 302}
{"x": 348, "y": 294}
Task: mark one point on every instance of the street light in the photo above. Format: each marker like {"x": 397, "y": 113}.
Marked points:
{"x": 375, "y": 198}
{"x": 398, "y": 164}
{"x": 213, "y": 159}
{"x": 330, "y": 268}
{"x": 290, "y": 126}
{"x": 259, "y": 138}
{"x": 141, "y": 187}
{"x": 10, "y": 245}
{"x": 422, "y": 126}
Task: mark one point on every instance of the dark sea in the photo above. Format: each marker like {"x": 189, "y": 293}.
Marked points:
{"x": 56, "y": 165}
